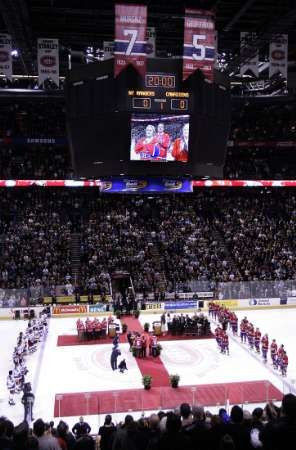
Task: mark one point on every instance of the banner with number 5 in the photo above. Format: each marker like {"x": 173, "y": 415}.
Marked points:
{"x": 130, "y": 37}
{"x": 199, "y": 43}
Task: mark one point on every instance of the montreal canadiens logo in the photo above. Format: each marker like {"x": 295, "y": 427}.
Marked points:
{"x": 278, "y": 54}
{"x": 4, "y": 57}
{"x": 48, "y": 61}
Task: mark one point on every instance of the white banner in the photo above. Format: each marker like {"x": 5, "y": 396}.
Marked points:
{"x": 260, "y": 302}
{"x": 108, "y": 48}
{"x": 291, "y": 300}
{"x": 249, "y": 53}
{"x": 5, "y": 55}
{"x": 151, "y": 42}
{"x": 48, "y": 60}
{"x": 278, "y": 55}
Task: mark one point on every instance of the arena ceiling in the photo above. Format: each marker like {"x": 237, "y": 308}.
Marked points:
{"x": 79, "y": 24}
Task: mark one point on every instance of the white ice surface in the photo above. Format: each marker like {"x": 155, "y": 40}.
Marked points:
{"x": 56, "y": 370}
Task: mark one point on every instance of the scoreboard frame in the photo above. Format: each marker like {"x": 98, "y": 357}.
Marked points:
{"x": 99, "y": 113}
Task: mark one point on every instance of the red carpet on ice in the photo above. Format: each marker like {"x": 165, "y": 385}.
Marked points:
{"x": 156, "y": 398}
{"x": 133, "y": 325}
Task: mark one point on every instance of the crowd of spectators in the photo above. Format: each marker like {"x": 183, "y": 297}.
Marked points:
{"x": 186, "y": 428}
{"x": 35, "y": 118}
{"x": 260, "y": 163}
{"x": 162, "y": 241}
{"x": 263, "y": 121}
{"x": 35, "y": 162}
{"x": 25, "y": 121}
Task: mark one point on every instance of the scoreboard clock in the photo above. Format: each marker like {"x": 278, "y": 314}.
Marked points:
{"x": 156, "y": 101}
{"x": 160, "y": 80}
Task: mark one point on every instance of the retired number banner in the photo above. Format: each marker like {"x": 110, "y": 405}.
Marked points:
{"x": 249, "y": 53}
{"x": 278, "y": 55}
{"x": 199, "y": 43}
{"x": 130, "y": 38}
{"x": 5, "y": 56}
{"x": 48, "y": 60}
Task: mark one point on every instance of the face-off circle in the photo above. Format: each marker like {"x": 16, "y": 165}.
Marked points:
{"x": 182, "y": 355}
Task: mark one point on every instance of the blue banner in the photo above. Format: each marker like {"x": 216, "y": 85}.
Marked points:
{"x": 158, "y": 185}
{"x": 186, "y": 304}
{"x": 99, "y": 307}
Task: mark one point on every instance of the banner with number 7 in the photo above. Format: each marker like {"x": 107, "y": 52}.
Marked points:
{"x": 130, "y": 37}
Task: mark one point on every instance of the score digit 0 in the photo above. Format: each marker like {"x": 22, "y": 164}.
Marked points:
{"x": 179, "y": 104}
{"x": 141, "y": 103}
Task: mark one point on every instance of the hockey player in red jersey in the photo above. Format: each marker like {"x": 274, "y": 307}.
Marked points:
{"x": 163, "y": 138}
{"x": 273, "y": 353}
{"x": 251, "y": 335}
{"x": 153, "y": 345}
{"x": 234, "y": 323}
{"x": 218, "y": 336}
{"x": 264, "y": 347}
{"x": 257, "y": 339}
{"x": 243, "y": 330}
{"x": 224, "y": 343}
{"x": 284, "y": 363}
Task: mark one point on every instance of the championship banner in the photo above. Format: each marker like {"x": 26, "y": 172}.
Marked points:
{"x": 249, "y": 53}
{"x": 199, "y": 43}
{"x": 108, "y": 48}
{"x": 130, "y": 38}
{"x": 278, "y": 55}
{"x": 5, "y": 56}
{"x": 151, "y": 42}
{"x": 48, "y": 60}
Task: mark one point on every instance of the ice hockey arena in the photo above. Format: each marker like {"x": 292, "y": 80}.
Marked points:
{"x": 147, "y": 225}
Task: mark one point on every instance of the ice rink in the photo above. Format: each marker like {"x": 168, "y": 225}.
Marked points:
{"x": 84, "y": 368}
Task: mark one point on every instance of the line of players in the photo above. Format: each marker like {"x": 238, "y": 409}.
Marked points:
{"x": 93, "y": 329}
{"x": 26, "y": 344}
{"x": 249, "y": 335}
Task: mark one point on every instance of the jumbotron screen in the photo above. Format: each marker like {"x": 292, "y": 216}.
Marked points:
{"x": 159, "y": 138}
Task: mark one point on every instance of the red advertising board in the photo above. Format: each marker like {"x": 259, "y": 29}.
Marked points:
{"x": 69, "y": 309}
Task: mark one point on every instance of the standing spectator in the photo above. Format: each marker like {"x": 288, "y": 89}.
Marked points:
{"x": 127, "y": 436}
{"x": 22, "y": 439}
{"x": 106, "y": 433}
{"x": 81, "y": 428}
{"x": 281, "y": 433}
{"x": 5, "y": 441}
{"x": 65, "y": 437}
{"x": 173, "y": 438}
{"x": 46, "y": 441}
